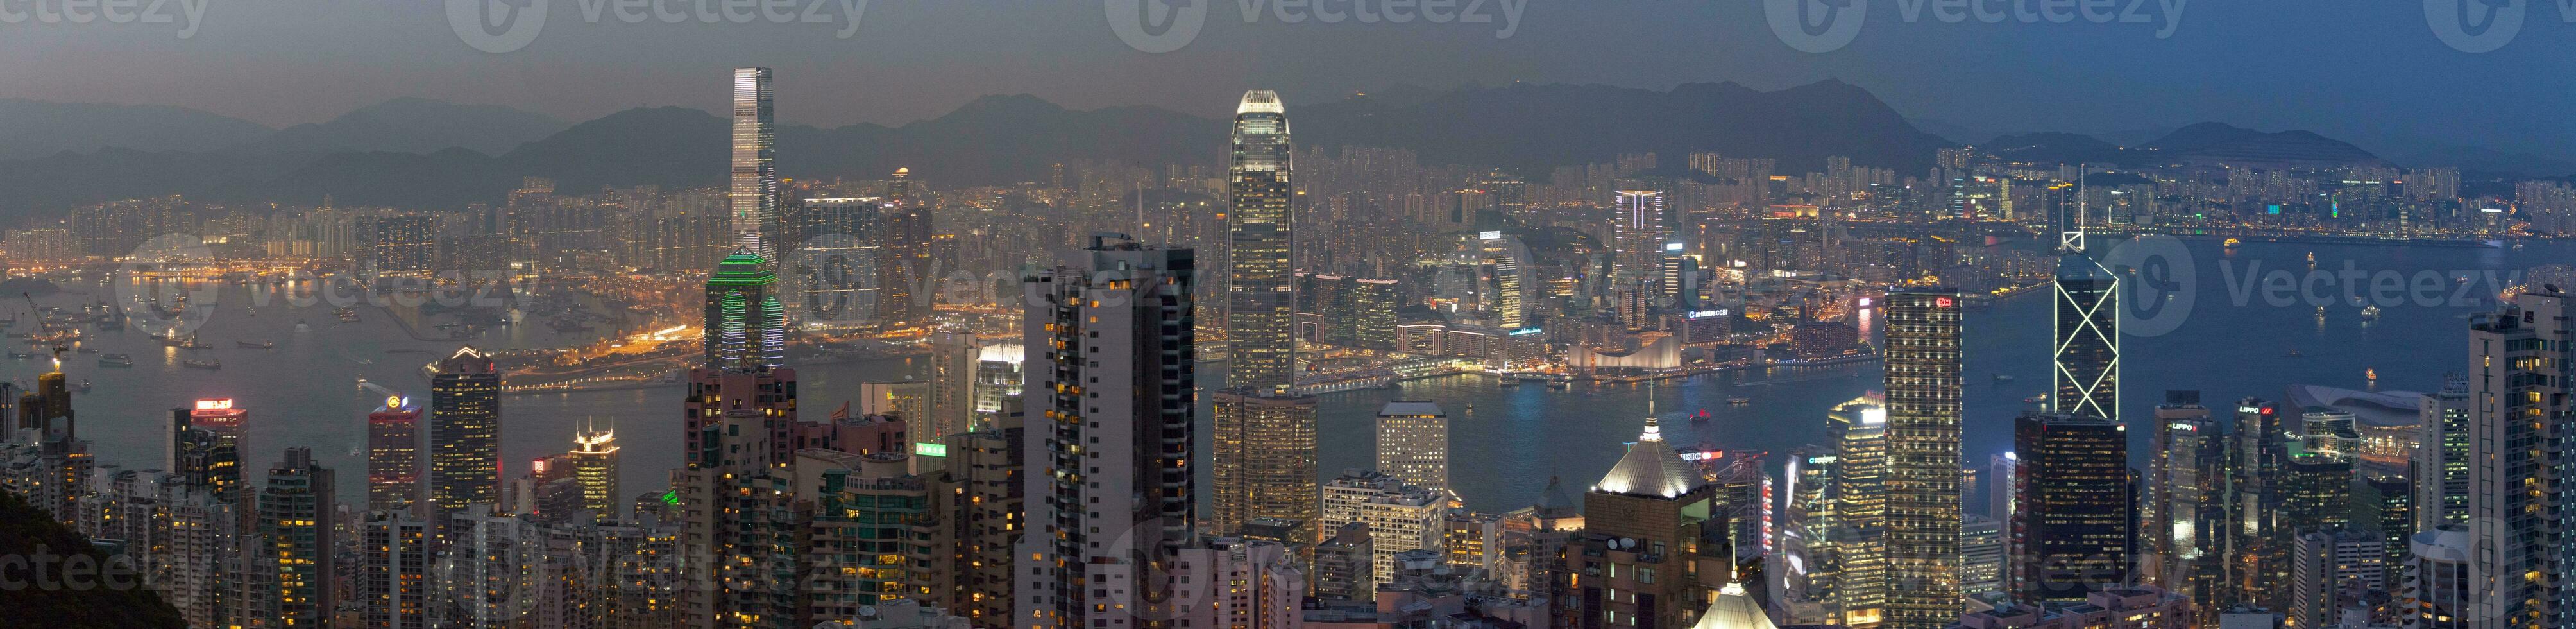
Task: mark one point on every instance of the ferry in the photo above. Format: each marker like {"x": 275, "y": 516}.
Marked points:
{"x": 202, "y": 364}
{"x": 115, "y": 360}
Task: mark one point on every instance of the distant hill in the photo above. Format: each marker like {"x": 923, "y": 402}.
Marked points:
{"x": 415, "y": 125}
{"x": 2214, "y": 142}
{"x": 26, "y": 531}
{"x": 2051, "y": 147}
{"x": 32, "y": 128}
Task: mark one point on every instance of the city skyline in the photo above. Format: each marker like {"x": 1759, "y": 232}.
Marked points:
{"x": 1190, "y": 394}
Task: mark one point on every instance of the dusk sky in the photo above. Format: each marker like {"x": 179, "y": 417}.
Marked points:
{"x": 2369, "y": 72}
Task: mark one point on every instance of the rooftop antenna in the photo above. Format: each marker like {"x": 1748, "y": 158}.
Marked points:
{"x": 2070, "y": 237}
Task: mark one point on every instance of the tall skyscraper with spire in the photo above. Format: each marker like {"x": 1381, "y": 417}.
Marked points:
{"x": 1922, "y": 483}
{"x": 753, "y": 194}
{"x": 2086, "y": 361}
{"x": 1260, "y": 297}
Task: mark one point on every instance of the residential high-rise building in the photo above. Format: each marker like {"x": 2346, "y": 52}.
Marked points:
{"x": 393, "y": 455}
{"x": 1260, "y": 294}
{"x": 1111, "y": 381}
{"x": 593, "y": 464}
{"x": 754, "y": 184}
{"x": 1345, "y": 565}
{"x": 740, "y": 513}
{"x": 951, "y": 409}
{"x": 745, "y": 324}
{"x": 1922, "y": 486}
{"x": 2323, "y": 563}
{"x": 1263, "y": 448}
{"x": 1413, "y": 443}
{"x": 464, "y": 433}
{"x": 770, "y": 394}
{"x": 394, "y": 565}
{"x": 989, "y": 463}
{"x": 296, "y": 557}
{"x": 2441, "y": 456}
{"x": 2521, "y": 493}
{"x": 1637, "y": 234}
{"x": 2184, "y": 518}
{"x": 405, "y": 245}
{"x": 2073, "y": 533}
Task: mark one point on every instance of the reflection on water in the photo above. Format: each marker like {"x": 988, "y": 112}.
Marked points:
{"x": 303, "y": 393}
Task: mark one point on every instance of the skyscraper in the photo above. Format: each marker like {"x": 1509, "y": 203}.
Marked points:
{"x": 1260, "y": 296}
{"x": 296, "y": 552}
{"x": 392, "y": 583}
{"x": 746, "y": 327}
{"x": 1856, "y": 529}
{"x": 2184, "y": 519}
{"x": 754, "y": 190}
{"x": 593, "y": 460}
{"x": 205, "y": 448}
{"x": 1264, "y": 453}
{"x": 2086, "y": 369}
{"x": 393, "y": 455}
{"x": 1648, "y": 524}
{"x": 464, "y": 433}
{"x": 951, "y": 409}
{"x": 2441, "y": 458}
{"x": 1923, "y": 494}
{"x": 1413, "y": 443}
{"x": 1110, "y": 491}
{"x": 2521, "y": 359}
{"x": 2072, "y": 534}
{"x": 1637, "y": 234}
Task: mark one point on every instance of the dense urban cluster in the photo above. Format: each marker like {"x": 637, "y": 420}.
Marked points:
{"x": 1048, "y": 470}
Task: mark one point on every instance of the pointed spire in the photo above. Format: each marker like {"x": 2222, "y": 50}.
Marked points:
{"x": 1652, "y": 433}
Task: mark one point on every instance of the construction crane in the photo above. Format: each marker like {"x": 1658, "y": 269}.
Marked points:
{"x": 44, "y": 328}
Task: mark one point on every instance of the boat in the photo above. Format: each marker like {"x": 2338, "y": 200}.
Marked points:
{"x": 115, "y": 360}
{"x": 2321, "y": 312}
{"x": 2371, "y": 374}
{"x": 301, "y": 326}
{"x": 257, "y": 345}
{"x": 2002, "y": 377}
{"x": 1738, "y": 401}
{"x": 20, "y": 355}
{"x": 2294, "y": 353}
{"x": 2370, "y": 312}
{"x": 1509, "y": 382}
{"x": 1560, "y": 381}
{"x": 2035, "y": 399}
{"x": 87, "y": 350}
{"x": 83, "y": 387}
{"x": 1700, "y": 417}
{"x": 202, "y": 364}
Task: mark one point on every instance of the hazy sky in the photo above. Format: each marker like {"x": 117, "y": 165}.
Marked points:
{"x": 2358, "y": 70}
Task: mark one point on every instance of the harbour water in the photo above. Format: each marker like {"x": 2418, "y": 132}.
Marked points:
{"x": 1505, "y": 442}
